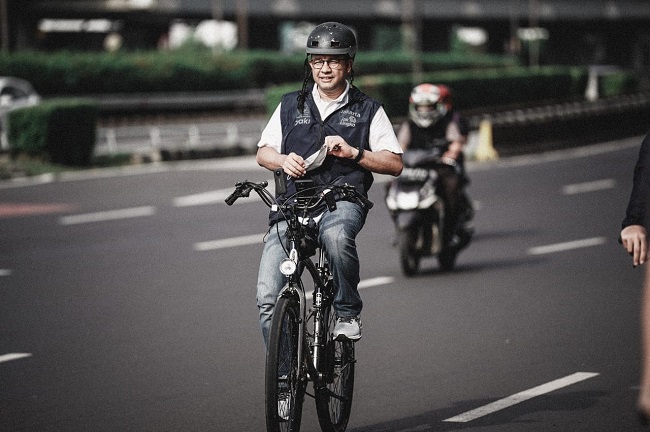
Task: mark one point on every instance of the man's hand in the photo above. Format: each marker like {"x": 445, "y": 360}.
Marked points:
{"x": 294, "y": 165}
{"x": 337, "y": 146}
{"x": 381, "y": 162}
{"x": 454, "y": 151}
{"x": 634, "y": 240}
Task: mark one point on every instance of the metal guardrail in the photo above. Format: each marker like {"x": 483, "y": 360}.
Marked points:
{"x": 243, "y": 134}
{"x": 196, "y": 136}
{"x": 565, "y": 125}
{"x": 252, "y": 99}
{"x": 561, "y": 111}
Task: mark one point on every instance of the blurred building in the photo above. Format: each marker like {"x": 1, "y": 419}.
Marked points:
{"x": 615, "y": 32}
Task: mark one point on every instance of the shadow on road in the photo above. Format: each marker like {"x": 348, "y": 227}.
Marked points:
{"x": 521, "y": 414}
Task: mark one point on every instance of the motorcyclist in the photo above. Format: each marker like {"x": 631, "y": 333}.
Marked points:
{"x": 434, "y": 125}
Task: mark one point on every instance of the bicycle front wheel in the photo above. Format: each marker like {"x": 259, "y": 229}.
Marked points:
{"x": 408, "y": 254}
{"x": 285, "y": 383}
{"x": 334, "y": 398}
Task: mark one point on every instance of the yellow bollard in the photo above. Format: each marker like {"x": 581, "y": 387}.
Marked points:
{"x": 485, "y": 150}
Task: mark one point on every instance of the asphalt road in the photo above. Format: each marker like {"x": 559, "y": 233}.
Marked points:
{"x": 124, "y": 306}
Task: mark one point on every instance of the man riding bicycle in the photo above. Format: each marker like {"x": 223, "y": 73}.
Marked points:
{"x": 329, "y": 132}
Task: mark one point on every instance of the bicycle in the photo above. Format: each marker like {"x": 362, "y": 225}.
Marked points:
{"x": 301, "y": 347}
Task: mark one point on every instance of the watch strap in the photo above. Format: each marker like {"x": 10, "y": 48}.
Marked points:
{"x": 359, "y": 155}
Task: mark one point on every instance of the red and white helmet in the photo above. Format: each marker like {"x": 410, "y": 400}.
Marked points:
{"x": 428, "y": 104}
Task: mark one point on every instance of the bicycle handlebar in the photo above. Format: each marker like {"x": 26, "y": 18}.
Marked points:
{"x": 243, "y": 189}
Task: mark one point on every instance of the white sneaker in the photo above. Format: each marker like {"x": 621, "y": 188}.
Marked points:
{"x": 347, "y": 328}
{"x": 284, "y": 406}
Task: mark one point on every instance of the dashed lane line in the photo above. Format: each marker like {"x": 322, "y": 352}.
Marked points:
{"x": 5, "y": 272}
{"x": 108, "y": 215}
{"x": 366, "y": 283}
{"x": 592, "y": 186}
{"x": 13, "y": 356}
{"x": 216, "y": 197}
{"x": 521, "y": 397}
{"x": 376, "y": 281}
{"x": 212, "y": 197}
{"x": 561, "y": 247}
{"x": 229, "y": 242}
{"x": 538, "y": 250}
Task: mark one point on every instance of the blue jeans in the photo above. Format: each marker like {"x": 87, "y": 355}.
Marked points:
{"x": 337, "y": 232}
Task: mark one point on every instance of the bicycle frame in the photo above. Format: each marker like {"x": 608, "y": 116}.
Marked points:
{"x": 321, "y": 276}
{"x": 327, "y": 362}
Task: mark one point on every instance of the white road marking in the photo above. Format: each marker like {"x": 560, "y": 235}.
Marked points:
{"x": 561, "y": 247}
{"x": 216, "y": 197}
{"x": 13, "y": 356}
{"x": 230, "y": 242}
{"x": 376, "y": 281}
{"x": 258, "y": 238}
{"x": 5, "y": 272}
{"x": 366, "y": 283}
{"x": 592, "y": 186}
{"x": 521, "y": 397}
{"x": 108, "y": 215}
{"x": 212, "y": 197}
{"x": 201, "y": 198}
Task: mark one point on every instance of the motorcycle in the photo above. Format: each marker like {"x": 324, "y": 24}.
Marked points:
{"x": 424, "y": 227}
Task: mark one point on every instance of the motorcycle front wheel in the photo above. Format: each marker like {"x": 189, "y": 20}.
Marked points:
{"x": 447, "y": 259}
{"x": 408, "y": 254}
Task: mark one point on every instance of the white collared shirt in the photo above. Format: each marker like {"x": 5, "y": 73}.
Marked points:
{"x": 382, "y": 134}
{"x": 327, "y": 107}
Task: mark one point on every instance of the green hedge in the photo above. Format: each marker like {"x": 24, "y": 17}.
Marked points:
{"x": 61, "y": 131}
{"x": 72, "y": 73}
{"x": 617, "y": 83}
{"x": 85, "y": 73}
{"x": 471, "y": 89}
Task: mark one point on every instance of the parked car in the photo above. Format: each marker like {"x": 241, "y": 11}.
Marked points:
{"x": 14, "y": 93}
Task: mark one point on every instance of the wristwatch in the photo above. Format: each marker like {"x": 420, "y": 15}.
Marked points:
{"x": 359, "y": 155}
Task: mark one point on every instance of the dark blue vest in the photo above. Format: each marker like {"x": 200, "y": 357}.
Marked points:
{"x": 304, "y": 133}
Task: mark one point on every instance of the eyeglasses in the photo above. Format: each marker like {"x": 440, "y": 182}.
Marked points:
{"x": 334, "y": 63}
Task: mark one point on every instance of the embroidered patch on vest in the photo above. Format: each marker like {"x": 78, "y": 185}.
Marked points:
{"x": 304, "y": 118}
{"x": 349, "y": 118}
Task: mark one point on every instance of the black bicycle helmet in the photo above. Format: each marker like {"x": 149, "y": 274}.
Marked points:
{"x": 332, "y": 38}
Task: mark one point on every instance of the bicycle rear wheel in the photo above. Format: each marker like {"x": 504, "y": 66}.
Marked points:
{"x": 334, "y": 399}
{"x": 285, "y": 383}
